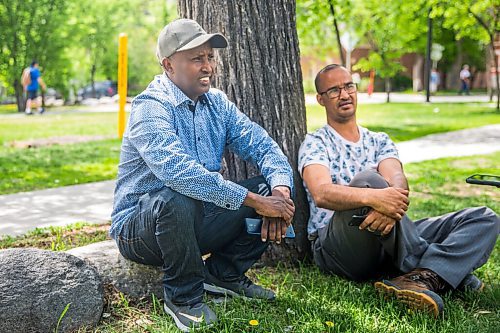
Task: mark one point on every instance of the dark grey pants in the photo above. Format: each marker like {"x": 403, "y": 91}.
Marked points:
{"x": 452, "y": 245}
{"x": 171, "y": 230}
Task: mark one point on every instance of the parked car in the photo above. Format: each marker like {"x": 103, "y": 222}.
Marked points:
{"x": 53, "y": 97}
{"x": 102, "y": 88}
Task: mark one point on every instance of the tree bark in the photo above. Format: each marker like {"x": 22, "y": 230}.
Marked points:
{"x": 497, "y": 75}
{"x": 260, "y": 72}
{"x": 388, "y": 89}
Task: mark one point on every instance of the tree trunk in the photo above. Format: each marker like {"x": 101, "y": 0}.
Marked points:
{"x": 260, "y": 72}
{"x": 20, "y": 100}
{"x": 92, "y": 79}
{"x": 388, "y": 88}
{"x": 337, "y": 33}
{"x": 495, "y": 58}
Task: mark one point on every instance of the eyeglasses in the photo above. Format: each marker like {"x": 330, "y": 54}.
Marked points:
{"x": 334, "y": 92}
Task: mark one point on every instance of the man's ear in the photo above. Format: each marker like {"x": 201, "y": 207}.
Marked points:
{"x": 319, "y": 98}
{"x": 167, "y": 65}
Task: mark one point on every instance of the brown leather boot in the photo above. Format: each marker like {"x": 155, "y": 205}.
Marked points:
{"x": 417, "y": 289}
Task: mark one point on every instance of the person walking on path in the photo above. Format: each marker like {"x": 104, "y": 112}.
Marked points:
{"x": 31, "y": 87}
{"x": 358, "y": 196}
{"x": 172, "y": 205}
{"x": 465, "y": 77}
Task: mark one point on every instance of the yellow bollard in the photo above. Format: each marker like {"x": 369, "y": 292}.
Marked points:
{"x": 122, "y": 82}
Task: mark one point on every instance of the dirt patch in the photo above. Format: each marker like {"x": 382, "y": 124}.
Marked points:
{"x": 468, "y": 190}
{"x": 57, "y": 140}
{"x": 470, "y": 164}
{"x": 421, "y": 195}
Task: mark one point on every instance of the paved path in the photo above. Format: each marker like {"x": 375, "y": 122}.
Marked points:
{"x": 474, "y": 141}
{"x": 21, "y": 212}
{"x": 25, "y": 211}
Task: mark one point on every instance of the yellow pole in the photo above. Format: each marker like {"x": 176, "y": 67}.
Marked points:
{"x": 122, "y": 82}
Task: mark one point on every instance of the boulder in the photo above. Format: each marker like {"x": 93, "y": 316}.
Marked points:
{"x": 37, "y": 285}
{"x": 133, "y": 279}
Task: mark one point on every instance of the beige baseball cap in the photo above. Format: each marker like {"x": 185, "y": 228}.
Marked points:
{"x": 185, "y": 34}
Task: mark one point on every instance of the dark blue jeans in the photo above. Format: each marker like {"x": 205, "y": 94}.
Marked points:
{"x": 171, "y": 230}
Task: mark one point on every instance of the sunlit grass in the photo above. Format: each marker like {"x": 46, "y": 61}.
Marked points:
{"x": 409, "y": 121}
{"x": 310, "y": 301}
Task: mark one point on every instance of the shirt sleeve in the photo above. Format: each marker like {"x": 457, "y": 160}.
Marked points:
{"x": 154, "y": 136}
{"x": 312, "y": 151}
{"x": 386, "y": 148}
{"x": 252, "y": 143}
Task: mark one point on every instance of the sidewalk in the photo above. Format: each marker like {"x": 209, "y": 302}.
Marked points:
{"x": 93, "y": 202}
{"x": 25, "y": 211}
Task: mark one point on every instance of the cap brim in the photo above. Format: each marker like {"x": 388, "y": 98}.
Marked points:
{"x": 216, "y": 41}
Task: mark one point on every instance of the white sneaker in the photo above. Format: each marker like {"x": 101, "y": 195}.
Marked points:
{"x": 28, "y": 111}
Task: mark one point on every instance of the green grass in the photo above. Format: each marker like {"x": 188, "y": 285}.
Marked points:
{"x": 409, "y": 121}
{"x": 439, "y": 186}
{"x": 60, "y": 238}
{"x": 44, "y": 167}
{"x": 57, "y": 165}
{"x": 8, "y": 108}
{"x": 24, "y": 169}
{"x": 307, "y": 299}
{"x": 21, "y": 127}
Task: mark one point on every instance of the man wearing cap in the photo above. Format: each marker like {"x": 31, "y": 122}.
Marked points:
{"x": 172, "y": 205}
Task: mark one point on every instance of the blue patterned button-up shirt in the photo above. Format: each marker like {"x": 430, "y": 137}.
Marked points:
{"x": 167, "y": 144}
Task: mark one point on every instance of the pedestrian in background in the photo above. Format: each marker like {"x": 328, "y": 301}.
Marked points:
{"x": 32, "y": 81}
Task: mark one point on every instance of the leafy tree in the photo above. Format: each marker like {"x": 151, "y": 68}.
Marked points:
{"x": 476, "y": 19}
{"x": 392, "y": 28}
{"x": 97, "y": 32}
{"x": 317, "y": 26}
{"x": 32, "y": 30}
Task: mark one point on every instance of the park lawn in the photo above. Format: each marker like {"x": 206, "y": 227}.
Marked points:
{"x": 28, "y": 169}
{"x": 57, "y": 165}
{"x": 409, "y": 121}
{"x": 24, "y": 169}
{"x": 8, "y": 108}
{"x": 19, "y": 127}
{"x": 309, "y": 301}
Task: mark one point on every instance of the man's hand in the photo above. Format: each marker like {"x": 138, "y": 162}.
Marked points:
{"x": 376, "y": 221}
{"x": 282, "y": 191}
{"x": 275, "y": 206}
{"x": 273, "y": 228}
{"x": 277, "y": 211}
{"x": 391, "y": 201}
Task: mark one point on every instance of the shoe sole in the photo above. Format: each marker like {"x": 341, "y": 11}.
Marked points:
{"x": 426, "y": 301}
{"x": 221, "y": 291}
{"x": 178, "y": 323}
{"x": 213, "y": 289}
{"x": 479, "y": 289}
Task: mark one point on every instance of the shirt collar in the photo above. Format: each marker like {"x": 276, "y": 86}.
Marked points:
{"x": 178, "y": 95}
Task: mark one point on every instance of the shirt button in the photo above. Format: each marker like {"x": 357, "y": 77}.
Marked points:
{"x": 204, "y": 164}
{"x": 228, "y": 205}
{"x": 199, "y": 139}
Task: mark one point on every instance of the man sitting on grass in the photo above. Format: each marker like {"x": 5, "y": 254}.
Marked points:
{"x": 358, "y": 196}
{"x": 171, "y": 203}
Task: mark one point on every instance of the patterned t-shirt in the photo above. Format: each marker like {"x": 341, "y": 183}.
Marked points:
{"x": 344, "y": 159}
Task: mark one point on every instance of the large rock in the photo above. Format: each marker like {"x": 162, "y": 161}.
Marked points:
{"x": 130, "y": 278}
{"x": 37, "y": 285}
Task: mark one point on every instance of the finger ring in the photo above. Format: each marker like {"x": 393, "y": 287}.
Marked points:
{"x": 370, "y": 229}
